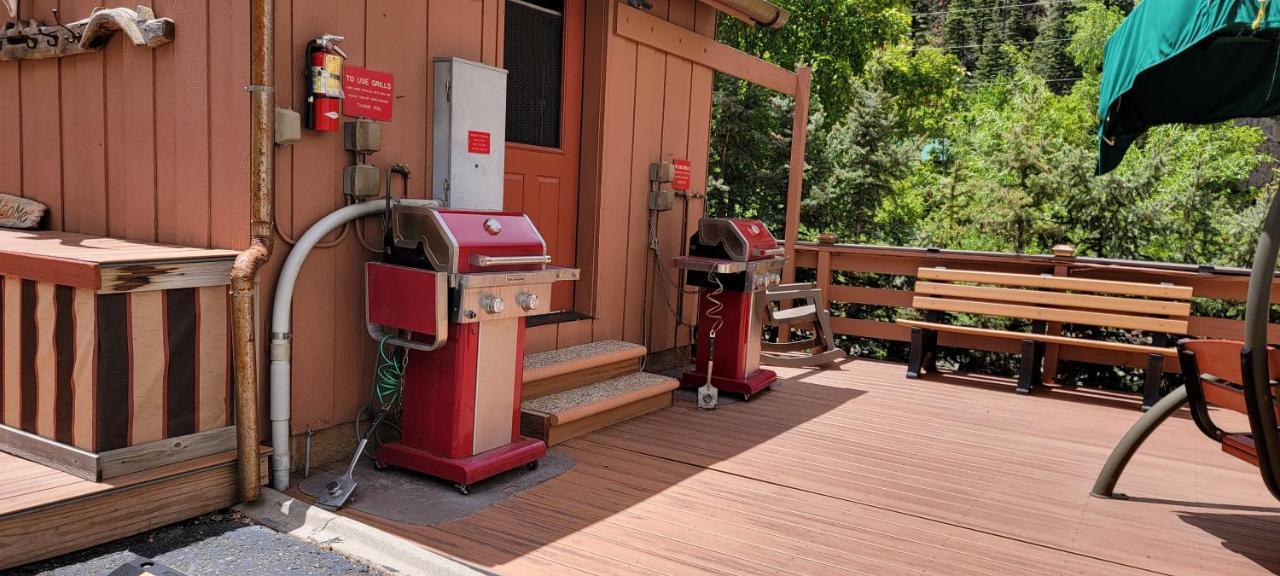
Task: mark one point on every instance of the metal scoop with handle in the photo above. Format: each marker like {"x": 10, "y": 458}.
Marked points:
{"x": 339, "y": 490}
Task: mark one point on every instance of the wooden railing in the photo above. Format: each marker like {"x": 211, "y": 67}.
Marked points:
{"x": 1229, "y": 284}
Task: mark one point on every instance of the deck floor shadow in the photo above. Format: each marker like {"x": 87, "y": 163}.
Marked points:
{"x": 857, "y": 470}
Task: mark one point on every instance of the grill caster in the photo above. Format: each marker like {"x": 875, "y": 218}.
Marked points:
{"x": 380, "y": 465}
{"x": 746, "y": 397}
{"x": 463, "y": 488}
{"x": 532, "y": 465}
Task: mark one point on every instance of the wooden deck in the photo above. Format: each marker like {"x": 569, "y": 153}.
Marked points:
{"x": 46, "y": 512}
{"x": 860, "y": 471}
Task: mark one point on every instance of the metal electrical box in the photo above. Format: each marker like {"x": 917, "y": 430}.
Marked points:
{"x": 469, "y": 150}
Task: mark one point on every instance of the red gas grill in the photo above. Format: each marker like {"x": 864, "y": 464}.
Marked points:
{"x": 733, "y": 261}
{"x": 456, "y": 289}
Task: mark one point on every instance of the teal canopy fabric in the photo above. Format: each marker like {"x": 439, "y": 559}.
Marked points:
{"x": 1189, "y": 62}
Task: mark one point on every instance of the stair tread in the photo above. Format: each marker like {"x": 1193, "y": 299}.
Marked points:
{"x": 574, "y": 358}
{"x": 638, "y": 386}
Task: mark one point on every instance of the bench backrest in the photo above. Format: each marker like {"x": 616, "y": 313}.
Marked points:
{"x": 1160, "y": 308}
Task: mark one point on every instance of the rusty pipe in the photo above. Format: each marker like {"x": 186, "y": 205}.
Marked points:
{"x": 244, "y": 272}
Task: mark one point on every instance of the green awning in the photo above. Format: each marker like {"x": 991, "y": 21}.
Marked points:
{"x": 1188, "y": 62}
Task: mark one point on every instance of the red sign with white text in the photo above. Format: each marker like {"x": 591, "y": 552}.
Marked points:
{"x": 477, "y": 142}
{"x": 684, "y": 174}
{"x": 367, "y": 93}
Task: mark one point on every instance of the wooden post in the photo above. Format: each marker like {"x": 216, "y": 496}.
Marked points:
{"x": 795, "y": 182}
{"x": 824, "y": 277}
{"x": 1062, "y": 253}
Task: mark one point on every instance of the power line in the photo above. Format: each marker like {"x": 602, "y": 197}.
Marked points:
{"x": 1029, "y": 80}
{"x": 1025, "y": 43}
{"x": 990, "y": 8}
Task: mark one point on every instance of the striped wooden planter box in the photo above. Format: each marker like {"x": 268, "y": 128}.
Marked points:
{"x": 116, "y": 355}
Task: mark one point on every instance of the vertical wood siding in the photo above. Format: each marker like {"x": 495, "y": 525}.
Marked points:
{"x": 656, "y": 107}
{"x": 152, "y": 145}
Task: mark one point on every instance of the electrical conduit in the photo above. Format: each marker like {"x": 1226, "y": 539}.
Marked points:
{"x": 281, "y": 318}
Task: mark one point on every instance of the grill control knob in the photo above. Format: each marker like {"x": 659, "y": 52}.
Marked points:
{"x": 492, "y": 304}
{"x": 528, "y": 301}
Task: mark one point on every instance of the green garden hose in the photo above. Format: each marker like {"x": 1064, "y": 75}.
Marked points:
{"x": 388, "y": 377}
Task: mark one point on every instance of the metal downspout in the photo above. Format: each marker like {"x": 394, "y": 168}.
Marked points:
{"x": 244, "y": 272}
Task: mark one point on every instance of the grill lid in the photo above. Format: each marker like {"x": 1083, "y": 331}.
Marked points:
{"x": 464, "y": 241}
{"x": 740, "y": 239}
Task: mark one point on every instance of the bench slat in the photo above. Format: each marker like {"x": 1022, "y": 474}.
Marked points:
{"x": 1049, "y": 338}
{"x": 1064, "y": 299}
{"x": 1057, "y": 283}
{"x": 1052, "y": 314}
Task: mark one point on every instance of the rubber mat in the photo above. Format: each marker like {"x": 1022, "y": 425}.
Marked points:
{"x": 412, "y": 498}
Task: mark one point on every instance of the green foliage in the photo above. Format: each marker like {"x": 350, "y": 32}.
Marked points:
{"x": 923, "y": 84}
{"x": 834, "y": 37}
{"x": 968, "y": 137}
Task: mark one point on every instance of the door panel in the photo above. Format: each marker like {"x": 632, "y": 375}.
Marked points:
{"x": 543, "y": 181}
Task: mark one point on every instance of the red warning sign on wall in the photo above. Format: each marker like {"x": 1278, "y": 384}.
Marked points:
{"x": 367, "y": 93}
{"x": 477, "y": 142}
{"x": 684, "y": 174}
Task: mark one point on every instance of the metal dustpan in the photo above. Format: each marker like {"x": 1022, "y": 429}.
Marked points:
{"x": 339, "y": 490}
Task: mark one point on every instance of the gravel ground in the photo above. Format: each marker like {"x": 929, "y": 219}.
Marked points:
{"x": 212, "y": 545}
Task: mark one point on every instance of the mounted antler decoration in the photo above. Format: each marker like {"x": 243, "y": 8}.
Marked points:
{"x": 32, "y": 40}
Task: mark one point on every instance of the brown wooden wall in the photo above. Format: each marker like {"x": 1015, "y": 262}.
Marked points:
{"x": 134, "y": 143}
{"x": 153, "y": 145}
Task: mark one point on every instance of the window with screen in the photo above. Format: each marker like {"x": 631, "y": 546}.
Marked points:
{"x": 533, "y": 53}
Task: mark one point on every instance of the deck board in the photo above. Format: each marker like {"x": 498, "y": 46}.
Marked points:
{"x": 45, "y": 512}
{"x": 861, "y": 471}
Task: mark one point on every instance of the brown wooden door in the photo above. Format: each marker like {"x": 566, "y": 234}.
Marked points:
{"x": 544, "y": 119}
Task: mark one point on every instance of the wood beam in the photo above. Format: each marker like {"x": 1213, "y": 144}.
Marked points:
{"x": 795, "y": 182}
{"x": 647, "y": 29}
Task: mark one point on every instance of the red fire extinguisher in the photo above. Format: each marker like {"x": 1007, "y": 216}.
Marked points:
{"x": 324, "y": 81}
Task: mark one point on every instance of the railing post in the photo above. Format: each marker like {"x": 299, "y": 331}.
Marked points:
{"x": 1062, "y": 254}
{"x": 824, "y": 277}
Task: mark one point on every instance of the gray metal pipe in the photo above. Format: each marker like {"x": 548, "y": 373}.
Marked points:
{"x": 1256, "y": 320}
{"x": 281, "y": 318}
{"x": 1257, "y": 316}
{"x": 1105, "y": 485}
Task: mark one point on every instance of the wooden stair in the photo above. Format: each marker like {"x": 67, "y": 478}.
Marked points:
{"x": 577, "y": 390}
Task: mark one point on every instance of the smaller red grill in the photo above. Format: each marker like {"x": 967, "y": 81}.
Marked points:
{"x": 733, "y": 261}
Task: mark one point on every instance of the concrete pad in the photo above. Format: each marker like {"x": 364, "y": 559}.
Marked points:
{"x": 350, "y": 537}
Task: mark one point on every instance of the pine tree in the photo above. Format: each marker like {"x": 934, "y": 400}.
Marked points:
{"x": 1049, "y": 57}
{"x": 960, "y": 33}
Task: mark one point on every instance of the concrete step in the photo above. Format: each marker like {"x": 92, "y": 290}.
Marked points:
{"x": 568, "y": 368}
{"x": 571, "y": 413}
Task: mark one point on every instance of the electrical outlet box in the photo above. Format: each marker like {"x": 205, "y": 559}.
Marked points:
{"x": 288, "y": 126}
{"x": 470, "y": 134}
{"x": 361, "y": 181}
{"x": 662, "y": 198}
{"x": 362, "y": 136}
{"x": 662, "y": 172}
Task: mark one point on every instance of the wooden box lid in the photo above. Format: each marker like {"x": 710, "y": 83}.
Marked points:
{"x": 110, "y": 264}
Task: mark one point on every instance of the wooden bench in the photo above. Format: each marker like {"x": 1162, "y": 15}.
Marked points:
{"x": 1158, "y": 309}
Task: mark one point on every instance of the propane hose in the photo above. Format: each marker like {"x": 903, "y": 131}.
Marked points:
{"x": 708, "y": 395}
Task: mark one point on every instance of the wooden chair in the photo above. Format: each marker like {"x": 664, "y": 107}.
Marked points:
{"x": 1214, "y": 374}
{"x": 1158, "y": 309}
{"x": 810, "y": 313}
